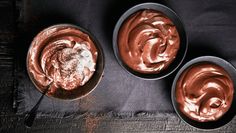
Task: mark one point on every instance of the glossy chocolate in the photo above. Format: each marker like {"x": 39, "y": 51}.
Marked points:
{"x": 62, "y": 56}
{"x": 148, "y": 41}
{"x": 204, "y": 92}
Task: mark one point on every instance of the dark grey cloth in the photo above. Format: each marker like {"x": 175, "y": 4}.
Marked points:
{"x": 210, "y": 25}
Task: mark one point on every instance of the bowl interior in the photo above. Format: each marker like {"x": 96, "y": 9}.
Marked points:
{"x": 90, "y": 85}
{"x": 228, "y": 115}
{"x": 177, "y": 22}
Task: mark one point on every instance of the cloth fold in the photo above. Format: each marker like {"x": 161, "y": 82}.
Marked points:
{"x": 146, "y": 96}
{"x": 211, "y": 31}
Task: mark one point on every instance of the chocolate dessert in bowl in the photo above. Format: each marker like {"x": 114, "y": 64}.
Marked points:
{"x": 68, "y": 59}
{"x": 149, "y": 41}
{"x": 203, "y": 93}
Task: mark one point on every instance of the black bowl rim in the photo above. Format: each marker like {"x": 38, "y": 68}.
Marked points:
{"x": 130, "y": 11}
{"x": 97, "y": 44}
{"x": 211, "y": 59}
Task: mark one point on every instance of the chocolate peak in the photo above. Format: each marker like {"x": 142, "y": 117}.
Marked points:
{"x": 204, "y": 92}
{"x": 148, "y": 41}
{"x": 63, "y": 56}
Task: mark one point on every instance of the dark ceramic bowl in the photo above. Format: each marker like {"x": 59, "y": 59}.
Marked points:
{"x": 87, "y": 87}
{"x": 227, "y": 117}
{"x": 177, "y": 22}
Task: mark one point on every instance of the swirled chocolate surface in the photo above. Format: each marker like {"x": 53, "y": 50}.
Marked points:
{"x": 204, "y": 92}
{"x": 62, "y": 56}
{"x": 148, "y": 41}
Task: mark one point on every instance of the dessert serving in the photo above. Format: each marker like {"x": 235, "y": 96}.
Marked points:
{"x": 148, "y": 41}
{"x": 204, "y": 92}
{"x": 62, "y": 56}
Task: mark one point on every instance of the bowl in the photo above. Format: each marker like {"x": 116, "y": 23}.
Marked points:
{"x": 225, "y": 118}
{"x": 181, "y": 31}
{"x": 61, "y": 30}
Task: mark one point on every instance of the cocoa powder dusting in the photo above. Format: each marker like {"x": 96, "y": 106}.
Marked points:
{"x": 91, "y": 123}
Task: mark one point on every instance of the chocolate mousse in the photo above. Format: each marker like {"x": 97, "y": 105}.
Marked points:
{"x": 63, "y": 57}
{"x": 148, "y": 41}
{"x": 204, "y": 92}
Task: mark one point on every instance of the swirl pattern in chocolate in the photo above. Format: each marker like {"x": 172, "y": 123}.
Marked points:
{"x": 148, "y": 41}
{"x": 204, "y": 92}
{"x": 62, "y": 56}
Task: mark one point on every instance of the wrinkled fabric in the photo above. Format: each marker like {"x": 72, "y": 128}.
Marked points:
{"x": 210, "y": 26}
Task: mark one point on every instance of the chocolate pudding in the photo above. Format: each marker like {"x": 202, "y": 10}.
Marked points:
{"x": 63, "y": 57}
{"x": 204, "y": 92}
{"x": 148, "y": 41}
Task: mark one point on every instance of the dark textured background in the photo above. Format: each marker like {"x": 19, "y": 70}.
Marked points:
{"x": 118, "y": 91}
{"x": 210, "y": 25}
